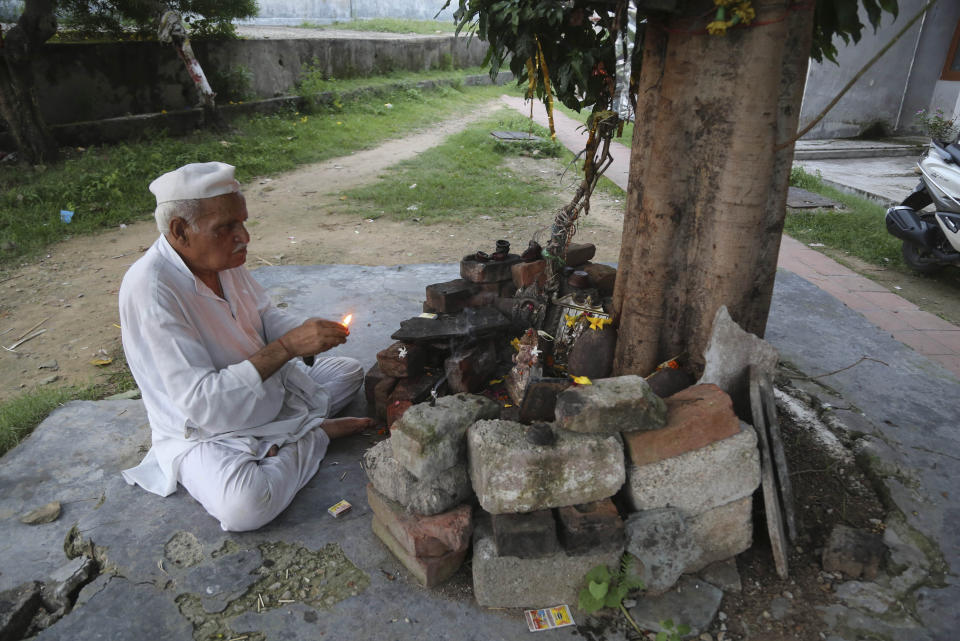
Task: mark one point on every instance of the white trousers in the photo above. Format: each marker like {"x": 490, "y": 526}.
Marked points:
{"x": 244, "y": 492}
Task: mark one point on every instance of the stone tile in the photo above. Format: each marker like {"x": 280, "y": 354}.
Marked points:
{"x": 922, "y": 342}
{"x": 825, "y": 265}
{"x": 889, "y": 320}
{"x": 919, "y": 319}
{"x": 949, "y": 361}
{"x": 949, "y": 338}
{"x": 886, "y": 300}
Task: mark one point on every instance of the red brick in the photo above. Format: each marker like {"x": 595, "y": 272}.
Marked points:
{"x": 381, "y": 395}
{"x": 487, "y": 272}
{"x": 603, "y": 277}
{"x": 696, "y": 417}
{"x": 414, "y": 388}
{"x": 527, "y": 535}
{"x": 373, "y": 377}
{"x": 428, "y": 571}
{"x": 423, "y": 536}
{"x": 395, "y": 410}
{"x": 449, "y": 297}
{"x": 481, "y": 299}
{"x": 590, "y": 526}
{"x": 526, "y": 274}
{"x": 470, "y": 370}
{"x": 579, "y": 253}
{"x": 401, "y": 360}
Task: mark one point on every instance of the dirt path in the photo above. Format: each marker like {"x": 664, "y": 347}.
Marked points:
{"x": 292, "y": 221}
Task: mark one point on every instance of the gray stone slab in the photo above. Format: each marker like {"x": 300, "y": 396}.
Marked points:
{"x": 70, "y": 458}
{"x": 508, "y": 581}
{"x": 422, "y": 496}
{"x": 661, "y": 541}
{"x": 798, "y": 198}
{"x": 123, "y": 609}
{"x": 609, "y": 406}
{"x": 699, "y": 480}
{"x": 692, "y": 602}
{"x": 431, "y": 438}
{"x": 511, "y": 474}
{"x": 729, "y": 355}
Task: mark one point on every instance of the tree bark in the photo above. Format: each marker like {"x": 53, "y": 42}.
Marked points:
{"x": 707, "y": 191}
{"x": 18, "y": 101}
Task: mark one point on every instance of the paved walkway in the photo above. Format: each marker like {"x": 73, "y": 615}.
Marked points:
{"x": 927, "y": 334}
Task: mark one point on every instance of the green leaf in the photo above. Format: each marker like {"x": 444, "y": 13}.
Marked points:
{"x": 615, "y": 596}
{"x": 662, "y": 636}
{"x": 683, "y": 629}
{"x": 589, "y": 603}
{"x": 598, "y": 590}
{"x": 598, "y": 574}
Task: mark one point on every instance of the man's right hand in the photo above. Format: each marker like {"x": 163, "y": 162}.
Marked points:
{"x": 314, "y": 336}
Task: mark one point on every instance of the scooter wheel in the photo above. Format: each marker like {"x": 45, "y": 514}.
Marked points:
{"x": 917, "y": 261}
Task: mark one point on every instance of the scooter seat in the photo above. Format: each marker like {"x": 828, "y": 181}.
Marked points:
{"x": 954, "y": 152}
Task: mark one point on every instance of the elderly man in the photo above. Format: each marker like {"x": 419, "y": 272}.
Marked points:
{"x": 236, "y": 417}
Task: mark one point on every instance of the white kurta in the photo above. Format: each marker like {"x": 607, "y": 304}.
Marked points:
{"x": 187, "y": 349}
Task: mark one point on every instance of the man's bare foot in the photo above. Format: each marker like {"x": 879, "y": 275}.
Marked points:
{"x": 346, "y": 425}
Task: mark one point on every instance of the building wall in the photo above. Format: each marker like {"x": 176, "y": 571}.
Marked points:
{"x": 904, "y": 80}
{"x": 294, "y": 12}
{"x": 79, "y": 82}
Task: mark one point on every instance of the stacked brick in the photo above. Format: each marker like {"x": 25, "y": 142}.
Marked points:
{"x": 550, "y": 505}
{"x": 406, "y": 372}
{"x": 420, "y": 487}
{"x": 690, "y": 484}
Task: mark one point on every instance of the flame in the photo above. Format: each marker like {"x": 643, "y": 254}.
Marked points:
{"x": 346, "y": 320}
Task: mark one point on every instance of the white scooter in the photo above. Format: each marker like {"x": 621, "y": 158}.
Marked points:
{"x": 931, "y": 238}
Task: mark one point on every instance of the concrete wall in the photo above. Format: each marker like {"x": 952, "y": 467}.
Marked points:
{"x": 294, "y": 12}
{"x": 904, "y": 80}
{"x": 78, "y": 82}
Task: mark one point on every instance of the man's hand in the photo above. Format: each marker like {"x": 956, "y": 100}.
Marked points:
{"x": 314, "y": 336}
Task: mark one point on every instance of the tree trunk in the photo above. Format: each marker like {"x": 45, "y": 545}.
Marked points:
{"x": 18, "y": 100}
{"x": 707, "y": 190}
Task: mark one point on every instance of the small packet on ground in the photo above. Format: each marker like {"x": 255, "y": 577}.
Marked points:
{"x": 548, "y": 618}
{"x": 339, "y": 508}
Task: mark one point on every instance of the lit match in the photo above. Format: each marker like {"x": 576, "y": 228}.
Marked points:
{"x": 346, "y": 320}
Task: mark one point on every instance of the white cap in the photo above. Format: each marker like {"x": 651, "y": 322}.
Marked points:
{"x": 196, "y": 180}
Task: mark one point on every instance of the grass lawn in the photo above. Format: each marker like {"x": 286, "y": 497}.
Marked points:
{"x": 858, "y": 229}
{"x": 104, "y": 185}
{"x": 462, "y": 177}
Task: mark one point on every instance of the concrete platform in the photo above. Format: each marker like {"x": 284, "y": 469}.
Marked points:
{"x": 175, "y": 574}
